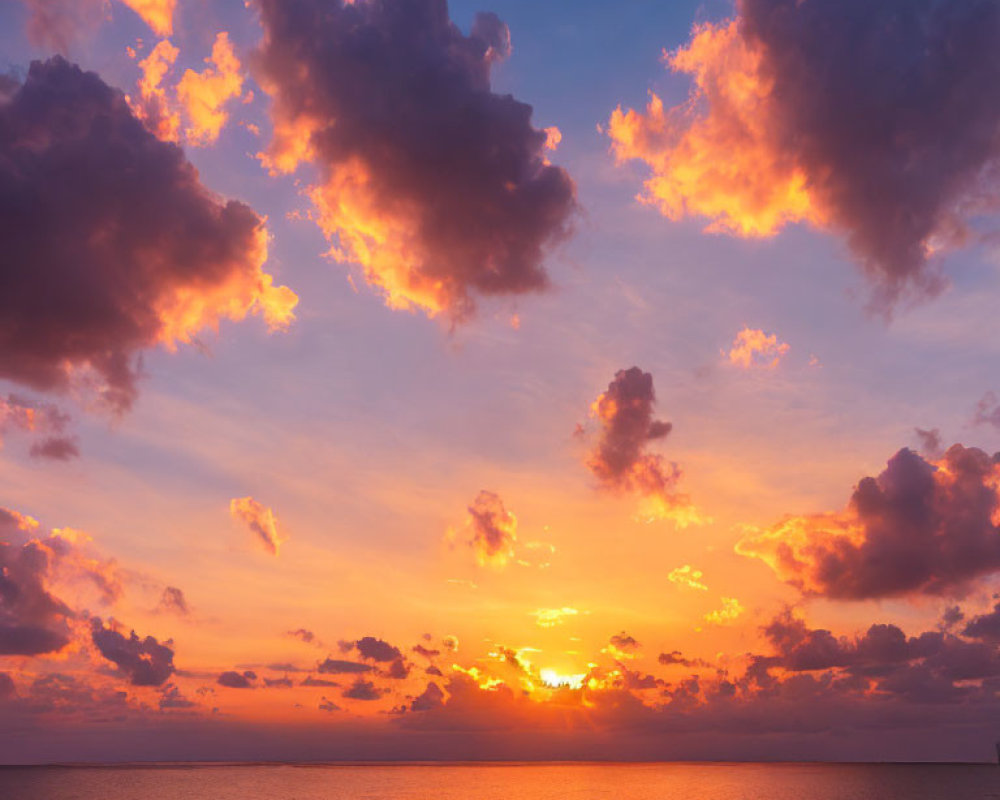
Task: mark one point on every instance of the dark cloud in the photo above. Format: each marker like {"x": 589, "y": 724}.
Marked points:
{"x": 335, "y": 666}
{"x": 146, "y": 662}
{"x": 309, "y": 680}
{"x": 930, "y": 442}
{"x": 46, "y": 422}
{"x": 625, "y": 642}
{"x": 398, "y": 670}
{"x": 171, "y": 697}
{"x": 303, "y": 635}
{"x": 426, "y": 652}
{"x": 984, "y": 626}
{"x": 328, "y": 705}
{"x": 493, "y": 529}
{"x": 127, "y": 249}
{"x": 377, "y": 650}
{"x": 880, "y": 121}
{"x": 7, "y": 687}
{"x": 173, "y": 601}
{"x": 32, "y": 621}
{"x": 916, "y": 528}
{"x": 432, "y": 697}
{"x": 58, "y": 448}
{"x": 237, "y": 680}
{"x": 363, "y": 690}
{"x": 437, "y": 186}
{"x": 58, "y": 24}
{"x": 619, "y": 460}
{"x": 278, "y": 683}
{"x": 677, "y": 657}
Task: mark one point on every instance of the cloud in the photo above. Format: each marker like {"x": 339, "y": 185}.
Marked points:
{"x": 237, "y": 680}
{"x": 173, "y": 601}
{"x": 153, "y": 106}
{"x": 203, "y": 94}
{"x": 377, "y": 650}
{"x": 32, "y": 621}
{"x": 57, "y": 24}
{"x": 309, "y": 680}
{"x": 878, "y": 121}
{"x": 919, "y": 527}
{"x": 362, "y": 690}
{"x": 492, "y": 529}
{"x": 146, "y": 662}
{"x": 171, "y": 697}
{"x": 145, "y": 255}
{"x": 754, "y": 349}
{"x": 687, "y": 576}
{"x": 260, "y": 520}
{"x": 550, "y": 617}
{"x": 987, "y": 411}
{"x": 303, "y": 635}
{"x": 930, "y": 442}
{"x": 46, "y": 422}
{"x": 436, "y": 186}
{"x": 984, "y": 626}
{"x": 731, "y": 610}
{"x": 336, "y": 666}
{"x": 620, "y": 462}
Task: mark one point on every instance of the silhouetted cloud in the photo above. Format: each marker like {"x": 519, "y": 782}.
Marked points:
{"x": 335, "y": 666}
{"x": 146, "y": 662}
{"x": 377, "y": 649}
{"x": 984, "y": 626}
{"x": 303, "y": 635}
{"x": 362, "y": 690}
{"x": 877, "y": 120}
{"x": 438, "y": 187}
{"x": 917, "y": 527}
{"x": 237, "y": 680}
{"x": 145, "y": 255}
{"x": 45, "y": 422}
{"x": 619, "y": 460}
{"x": 260, "y": 519}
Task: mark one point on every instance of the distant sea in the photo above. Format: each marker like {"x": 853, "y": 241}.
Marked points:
{"x": 686, "y": 781}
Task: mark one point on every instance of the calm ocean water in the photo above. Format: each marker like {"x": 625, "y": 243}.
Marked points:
{"x": 505, "y": 782}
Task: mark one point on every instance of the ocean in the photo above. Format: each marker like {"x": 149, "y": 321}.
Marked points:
{"x": 683, "y": 781}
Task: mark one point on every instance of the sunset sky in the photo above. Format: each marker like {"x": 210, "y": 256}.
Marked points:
{"x": 394, "y": 379}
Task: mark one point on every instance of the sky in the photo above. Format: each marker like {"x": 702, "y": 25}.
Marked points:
{"x": 416, "y": 380}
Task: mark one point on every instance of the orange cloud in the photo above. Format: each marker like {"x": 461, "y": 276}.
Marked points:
{"x": 261, "y": 521}
{"x": 715, "y": 156}
{"x": 157, "y": 14}
{"x": 731, "y": 610}
{"x": 754, "y": 349}
{"x": 921, "y": 526}
{"x": 203, "y": 94}
{"x": 153, "y": 106}
{"x": 687, "y": 576}
{"x": 794, "y": 106}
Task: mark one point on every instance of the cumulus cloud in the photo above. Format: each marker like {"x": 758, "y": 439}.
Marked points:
{"x": 237, "y": 680}
{"x": 127, "y": 249}
{"x": 984, "y": 626}
{"x": 153, "y": 105}
{"x": 32, "y": 620}
{"x": 754, "y": 349}
{"x": 260, "y": 520}
{"x": 876, "y": 120}
{"x": 436, "y": 186}
{"x": 919, "y": 527}
{"x": 620, "y": 461}
{"x": 362, "y": 690}
{"x": 492, "y": 529}
{"x": 376, "y": 649}
{"x": 146, "y": 661}
{"x": 45, "y": 422}
{"x": 203, "y": 95}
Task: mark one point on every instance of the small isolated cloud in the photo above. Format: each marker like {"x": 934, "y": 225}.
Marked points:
{"x": 337, "y": 666}
{"x": 754, "y": 349}
{"x": 145, "y": 255}
{"x": 550, "y": 617}
{"x": 987, "y": 411}
{"x": 920, "y": 527}
{"x": 146, "y": 661}
{"x": 622, "y": 646}
{"x": 878, "y": 121}
{"x": 237, "y": 680}
{"x": 731, "y": 610}
{"x": 376, "y": 649}
{"x": 687, "y": 576}
{"x": 260, "y": 520}
{"x": 173, "y": 601}
{"x": 439, "y": 188}
{"x": 620, "y": 461}
{"x": 304, "y": 635}
{"x": 492, "y": 529}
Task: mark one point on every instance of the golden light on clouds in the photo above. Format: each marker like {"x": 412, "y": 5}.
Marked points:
{"x": 754, "y": 349}
{"x": 261, "y": 520}
{"x": 715, "y": 156}
{"x": 158, "y": 14}
{"x": 550, "y": 617}
{"x": 731, "y": 610}
{"x": 687, "y": 576}
{"x": 203, "y": 94}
